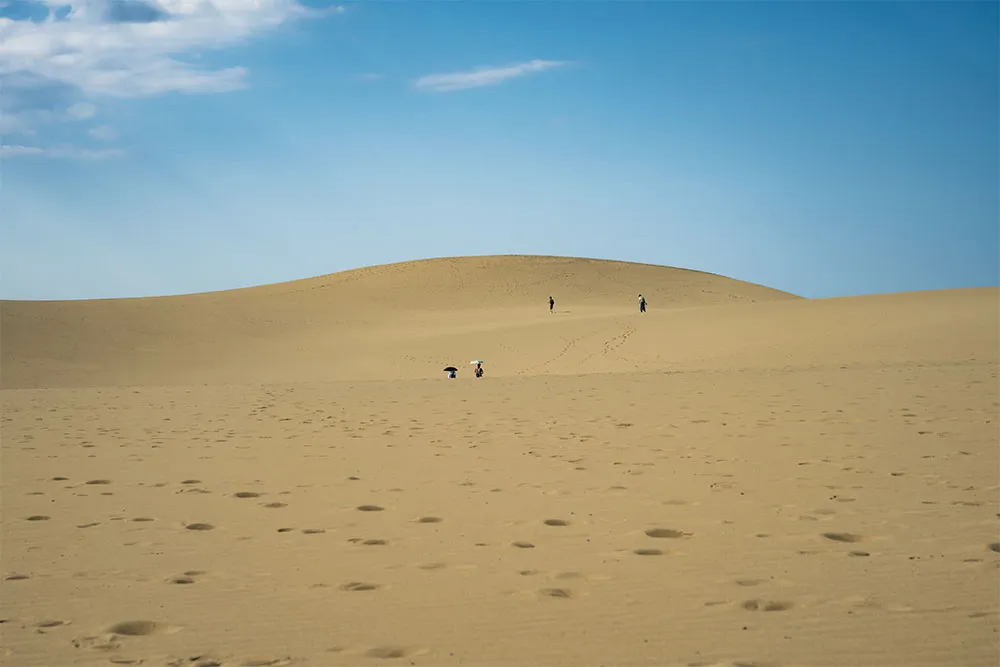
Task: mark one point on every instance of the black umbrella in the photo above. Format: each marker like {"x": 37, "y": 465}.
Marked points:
{"x": 451, "y": 369}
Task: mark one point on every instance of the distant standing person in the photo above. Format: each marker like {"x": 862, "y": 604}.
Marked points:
{"x": 552, "y": 305}
{"x": 642, "y": 304}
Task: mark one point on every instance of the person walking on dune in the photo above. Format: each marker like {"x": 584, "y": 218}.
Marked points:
{"x": 642, "y": 304}
{"x": 552, "y": 305}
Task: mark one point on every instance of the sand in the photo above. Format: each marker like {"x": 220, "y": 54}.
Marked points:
{"x": 283, "y": 474}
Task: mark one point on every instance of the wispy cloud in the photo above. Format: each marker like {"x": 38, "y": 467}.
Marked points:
{"x": 103, "y": 133}
{"x": 59, "y": 57}
{"x": 81, "y": 110}
{"x": 483, "y": 76}
{"x": 59, "y": 152}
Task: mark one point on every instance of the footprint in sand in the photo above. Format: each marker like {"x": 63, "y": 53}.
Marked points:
{"x": 275, "y": 506}
{"x": 664, "y": 533}
{"x": 429, "y": 519}
{"x": 766, "y": 605}
{"x": 247, "y": 494}
{"x": 16, "y": 577}
{"x": 390, "y": 652}
{"x": 200, "y": 526}
{"x": 38, "y": 517}
{"x": 843, "y": 537}
{"x": 359, "y": 586}
{"x": 994, "y": 546}
{"x": 370, "y": 508}
{"x": 140, "y": 628}
{"x": 563, "y": 593}
{"x": 648, "y": 552}
{"x": 523, "y": 545}
{"x": 51, "y": 624}
{"x": 556, "y": 522}
{"x": 749, "y": 582}
{"x": 313, "y": 531}
{"x": 99, "y": 481}
{"x": 197, "y": 661}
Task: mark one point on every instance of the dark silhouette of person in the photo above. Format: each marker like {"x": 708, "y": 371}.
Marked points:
{"x": 642, "y": 304}
{"x": 552, "y": 304}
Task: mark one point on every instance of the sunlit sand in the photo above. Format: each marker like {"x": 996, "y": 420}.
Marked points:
{"x": 284, "y": 475}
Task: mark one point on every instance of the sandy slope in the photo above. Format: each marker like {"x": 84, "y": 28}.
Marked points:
{"x": 388, "y": 322}
{"x": 281, "y": 475}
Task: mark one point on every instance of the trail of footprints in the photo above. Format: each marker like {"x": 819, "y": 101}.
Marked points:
{"x": 192, "y": 576}
{"x": 111, "y": 640}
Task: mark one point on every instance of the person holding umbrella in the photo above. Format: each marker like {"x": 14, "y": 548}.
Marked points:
{"x": 479, "y": 367}
{"x": 451, "y": 371}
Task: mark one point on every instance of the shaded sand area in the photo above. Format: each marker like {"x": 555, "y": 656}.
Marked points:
{"x": 282, "y": 475}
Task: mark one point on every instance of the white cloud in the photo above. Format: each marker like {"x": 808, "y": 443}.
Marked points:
{"x": 81, "y": 110}
{"x": 103, "y": 133}
{"x": 483, "y": 76}
{"x": 86, "y": 49}
{"x": 61, "y": 152}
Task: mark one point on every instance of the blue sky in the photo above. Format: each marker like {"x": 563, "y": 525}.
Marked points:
{"x": 178, "y": 146}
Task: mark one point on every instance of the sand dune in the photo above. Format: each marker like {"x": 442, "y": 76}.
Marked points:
{"x": 282, "y": 475}
{"x": 386, "y": 322}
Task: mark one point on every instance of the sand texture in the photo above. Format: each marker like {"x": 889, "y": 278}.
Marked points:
{"x": 283, "y": 475}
